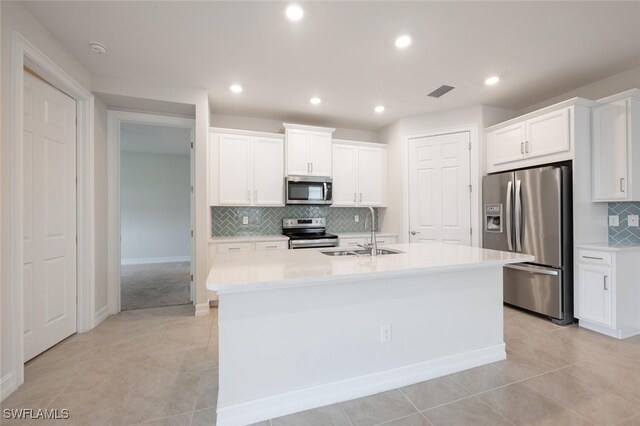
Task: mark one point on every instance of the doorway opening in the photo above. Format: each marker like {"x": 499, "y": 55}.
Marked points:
{"x": 155, "y": 207}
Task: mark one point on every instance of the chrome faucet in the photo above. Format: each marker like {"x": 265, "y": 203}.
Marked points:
{"x": 373, "y": 245}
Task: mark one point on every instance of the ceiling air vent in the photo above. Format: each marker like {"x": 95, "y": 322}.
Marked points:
{"x": 441, "y": 91}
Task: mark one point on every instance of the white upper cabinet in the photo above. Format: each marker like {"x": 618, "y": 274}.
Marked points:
{"x": 345, "y": 175}
{"x": 308, "y": 150}
{"x": 543, "y": 138}
{"x": 234, "y": 170}
{"x": 616, "y": 150}
{"x": 359, "y": 174}
{"x": 246, "y": 170}
{"x": 507, "y": 144}
{"x": 268, "y": 171}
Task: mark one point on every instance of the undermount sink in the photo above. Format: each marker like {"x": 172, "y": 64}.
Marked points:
{"x": 359, "y": 252}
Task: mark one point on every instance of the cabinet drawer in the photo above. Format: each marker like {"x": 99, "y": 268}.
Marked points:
{"x": 594, "y": 257}
{"x": 231, "y": 247}
{"x": 352, "y": 242}
{"x": 386, "y": 240}
{"x": 272, "y": 245}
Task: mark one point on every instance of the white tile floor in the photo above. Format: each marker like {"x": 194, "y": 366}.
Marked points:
{"x": 159, "y": 366}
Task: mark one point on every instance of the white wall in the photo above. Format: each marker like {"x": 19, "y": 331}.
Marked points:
{"x": 101, "y": 297}
{"x": 155, "y": 206}
{"x": 14, "y": 16}
{"x": 275, "y": 126}
{"x": 608, "y": 86}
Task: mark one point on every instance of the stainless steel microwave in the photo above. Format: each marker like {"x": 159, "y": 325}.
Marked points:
{"x": 308, "y": 190}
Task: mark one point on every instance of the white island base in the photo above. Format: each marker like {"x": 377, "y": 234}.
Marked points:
{"x": 292, "y": 345}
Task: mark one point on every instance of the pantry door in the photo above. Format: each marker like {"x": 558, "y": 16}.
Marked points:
{"x": 439, "y": 191}
{"x": 49, "y": 268}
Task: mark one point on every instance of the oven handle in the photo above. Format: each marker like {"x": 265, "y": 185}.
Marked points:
{"x": 312, "y": 244}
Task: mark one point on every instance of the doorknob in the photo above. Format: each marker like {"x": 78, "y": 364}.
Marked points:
{"x": 414, "y": 232}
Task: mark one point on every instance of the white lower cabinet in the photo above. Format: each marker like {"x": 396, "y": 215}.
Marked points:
{"x": 608, "y": 295}
{"x": 272, "y": 245}
{"x": 353, "y": 241}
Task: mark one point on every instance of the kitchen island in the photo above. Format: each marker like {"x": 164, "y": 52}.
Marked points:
{"x": 299, "y": 329}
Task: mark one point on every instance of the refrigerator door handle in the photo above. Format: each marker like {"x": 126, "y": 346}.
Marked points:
{"x": 508, "y": 216}
{"x": 518, "y": 216}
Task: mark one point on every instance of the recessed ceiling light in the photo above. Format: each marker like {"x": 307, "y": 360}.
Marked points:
{"x": 294, "y": 12}
{"x": 491, "y": 81}
{"x": 379, "y": 109}
{"x": 315, "y": 100}
{"x": 403, "y": 41}
{"x": 236, "y": 88}
{"x": 98, "y": 48}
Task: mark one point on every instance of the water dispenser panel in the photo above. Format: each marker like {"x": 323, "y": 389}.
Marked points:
{"x": 493, "y": 218}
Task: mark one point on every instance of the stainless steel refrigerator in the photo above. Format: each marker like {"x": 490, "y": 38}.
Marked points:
{"x": 529, "y": 211}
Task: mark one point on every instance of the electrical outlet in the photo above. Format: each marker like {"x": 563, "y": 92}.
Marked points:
{"x": 356, "y": 218}
{"x": 614, "y": 220}
{"x": 632, "y": 220}
{"x": 385, "y": 333}
{"x": 245, "y": 220}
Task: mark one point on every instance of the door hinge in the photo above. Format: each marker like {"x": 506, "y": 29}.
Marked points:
{"x": 192, "y": 233}
{"x": 470, "y": 188}
{"x": 192, "y": 189}
{"x": 191, "y": 145}
{"x": 470, "y": 231}
{"x": 191, "y": 277}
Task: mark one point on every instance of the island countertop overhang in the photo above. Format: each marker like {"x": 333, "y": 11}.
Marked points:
{"x": 269, "y": 270}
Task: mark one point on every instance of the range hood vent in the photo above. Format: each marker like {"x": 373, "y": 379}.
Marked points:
{"x": 444, "y": 89}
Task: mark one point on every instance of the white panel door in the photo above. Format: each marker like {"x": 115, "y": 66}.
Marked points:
{"x": 345, "y": 175}
{"x": 372, "y": 169}
{"x": 439, "y": 197}
{"x": 595, "y": 294}
{"x": 320, "y": 153}
{"x": 234, "y": 170}
{"x": 49, "y": 287}
{"x": 610, "y": 152}
{"x": 268, "y": 171}
{"x": 298, "y": 153}
{"x": 548, "y": 134}
{"x": 507, "y": 144}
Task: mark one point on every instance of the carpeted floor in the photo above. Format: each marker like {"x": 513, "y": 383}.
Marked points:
{"x": 154, "y": 285}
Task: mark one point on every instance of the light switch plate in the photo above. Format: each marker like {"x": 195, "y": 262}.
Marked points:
{"x": 632, "y": 220}
{"x": 614, "y": 220}
{"x": 245, "y": 220}
{"x": 356, "y": 218}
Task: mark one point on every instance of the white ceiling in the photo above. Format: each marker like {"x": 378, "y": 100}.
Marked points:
{"x": 344, "y": 52}
{"x": 155, "y": 138}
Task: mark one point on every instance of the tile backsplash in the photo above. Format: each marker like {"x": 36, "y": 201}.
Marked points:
{"x": 227, "y": 221}
{"x": 622, "y": 233}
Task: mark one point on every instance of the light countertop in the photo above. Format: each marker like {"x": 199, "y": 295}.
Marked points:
{"x": 265, "y": 270}
{"x": 606, "y": 246}
{"x": 248, "y": 239}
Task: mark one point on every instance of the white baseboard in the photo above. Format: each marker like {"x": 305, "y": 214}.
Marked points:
{"x": 150, "y": 260}
{"x": 202, "y": 309}
{"x": 8, "y": 385}
{"x": 620, "y": 333}
{"x": 101, "y": 315}
{"x": 355, "y": 387}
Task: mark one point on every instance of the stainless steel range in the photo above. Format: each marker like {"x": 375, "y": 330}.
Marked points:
{"x": 308, "y": 233}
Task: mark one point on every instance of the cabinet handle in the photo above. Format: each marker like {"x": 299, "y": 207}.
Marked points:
{"x": 248, "y": 195}
{"x": 605, "y": 282}
{"x": 621, "y": 184}
{"x": 312, "y": 167}
{"x": 592, "y": 257}
{"x": 522, "y": 148}
{"x": 308, "y": 168}
{"x": 361, "y": 197}
{"x": 526, "y": 147}
{"x": 234, "y": 248}
{"x": 272, "y": 247}
{"x": 255, "y": 195}
{"x": 354, "y": 197}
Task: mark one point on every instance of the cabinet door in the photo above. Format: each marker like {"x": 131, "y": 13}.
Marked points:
{"x": 298, "y": 153}
{"x": 548, "y": 134}
{"x": 234, "y": 164}
{"x": 372, "y": 170}
{"x": 268, "y": 172}
{"x": 345, "y": 175}
{"x": 320, "y": 153}
{"x": 352, "y": 242}
{"x": 609, "y": 148}
{"x": 595, "y": 294}
{"x": 507, "y": 144}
